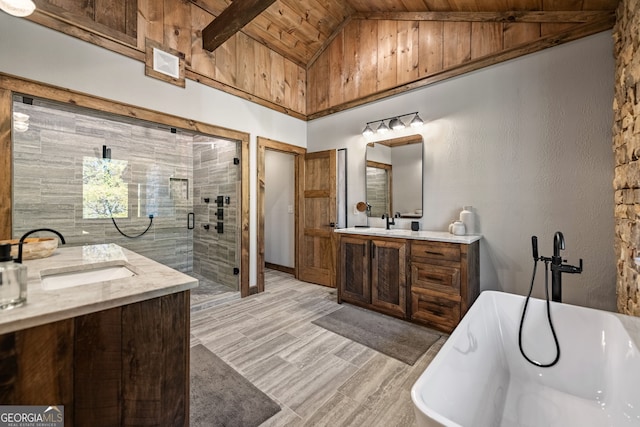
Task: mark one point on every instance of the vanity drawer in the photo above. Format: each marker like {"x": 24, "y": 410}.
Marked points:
{"x": 435, "y": 250}
{"x": 434, "y": 309}
{"x": 435, "y": 277}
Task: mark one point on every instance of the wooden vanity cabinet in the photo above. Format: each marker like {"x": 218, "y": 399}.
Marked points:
{"x": 372, "y": 273}
{"x": 428, "y": 282}
{"x": 127, "y": 365}
{"x": 444, "y": 282}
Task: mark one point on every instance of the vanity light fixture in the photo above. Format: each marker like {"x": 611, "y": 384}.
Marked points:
{"x": 395, "y": 123}
{"x": 18, "y": 8}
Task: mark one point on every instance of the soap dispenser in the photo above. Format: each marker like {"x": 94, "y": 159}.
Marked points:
{"x": 13, "y": 280}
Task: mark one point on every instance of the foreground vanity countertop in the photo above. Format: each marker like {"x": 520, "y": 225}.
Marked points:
{"x": 151, "y": 280}
{"x": 436, "y": 236}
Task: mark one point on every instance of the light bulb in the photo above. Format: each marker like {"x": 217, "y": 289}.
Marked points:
{"x": 367, "y": 130}
{"x": 396, "y": 124}
{"x": 417, "y": 121}
{"x": 383, "y": 128}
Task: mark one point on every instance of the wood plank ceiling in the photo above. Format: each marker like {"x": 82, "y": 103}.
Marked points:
{"x": 300, "y": 30}
{"x": 311, "y": 58}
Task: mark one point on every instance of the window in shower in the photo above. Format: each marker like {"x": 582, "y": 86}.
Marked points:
{"x": 104, "y": 191}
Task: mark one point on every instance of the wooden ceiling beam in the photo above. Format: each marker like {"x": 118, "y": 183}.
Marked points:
{"x": 231, "y": 20}
{"x": 508, "y": 16}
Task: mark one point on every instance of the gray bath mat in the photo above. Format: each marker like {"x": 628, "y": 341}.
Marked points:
{"x": 394, "y": 337}
{"x": 221, "y": 397}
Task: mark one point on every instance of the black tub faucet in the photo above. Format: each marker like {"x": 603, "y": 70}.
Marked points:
{"x": 557, "y": 267}
{"x": 28, "y": 233}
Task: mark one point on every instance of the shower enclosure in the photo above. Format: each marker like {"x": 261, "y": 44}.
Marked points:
{"x": 62, "y": 178}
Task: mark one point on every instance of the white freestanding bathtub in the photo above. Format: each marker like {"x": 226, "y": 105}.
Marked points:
{"x": 479, "y": 378}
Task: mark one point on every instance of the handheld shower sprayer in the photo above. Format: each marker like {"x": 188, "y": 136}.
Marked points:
{"x": 536, "y": 258}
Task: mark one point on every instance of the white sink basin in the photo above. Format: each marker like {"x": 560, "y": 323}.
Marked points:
{"x": 84, "y": 275}
{"x": 480, "y": 379}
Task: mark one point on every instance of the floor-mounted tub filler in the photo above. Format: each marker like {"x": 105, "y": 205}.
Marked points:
{"x": 480, "y": 378}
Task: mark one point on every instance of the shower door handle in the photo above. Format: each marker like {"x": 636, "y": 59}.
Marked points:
{"x": 191, "y": 221}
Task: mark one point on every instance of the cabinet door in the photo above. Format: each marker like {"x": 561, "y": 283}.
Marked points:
{"x": 389, "y": 276}
{"x": 354, "y": 270}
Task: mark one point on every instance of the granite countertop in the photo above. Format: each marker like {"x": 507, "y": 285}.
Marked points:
{"x": 151, "y": 280}
{"x": 436, "y": 236}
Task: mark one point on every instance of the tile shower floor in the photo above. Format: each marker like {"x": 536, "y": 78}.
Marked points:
{"x": 317, "y": 377}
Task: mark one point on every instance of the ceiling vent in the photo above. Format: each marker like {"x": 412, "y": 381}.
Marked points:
{"x": 166, "y": 63}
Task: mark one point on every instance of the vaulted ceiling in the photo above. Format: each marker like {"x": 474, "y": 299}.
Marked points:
{"x": 310, "y": 58}
{"x": 301, "y": 29}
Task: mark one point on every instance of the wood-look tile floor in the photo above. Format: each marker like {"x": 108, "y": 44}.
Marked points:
{"x": 319, "y": 378}
{"x": 209, "y": 293}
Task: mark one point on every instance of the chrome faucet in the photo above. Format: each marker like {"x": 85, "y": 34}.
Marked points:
{"x": 24, "y": 236}
{"x": 392, "y": 222}
{"x": 557, "y": 267}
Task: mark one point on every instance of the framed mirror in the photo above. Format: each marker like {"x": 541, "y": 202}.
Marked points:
{"x": 394, "y": 177}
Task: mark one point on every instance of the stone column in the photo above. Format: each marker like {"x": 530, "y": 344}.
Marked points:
{"x": 626, "y": 145}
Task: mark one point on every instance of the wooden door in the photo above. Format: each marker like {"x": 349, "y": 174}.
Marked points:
{"x": 389, "y": 276}
{"x": 354, "y": 285}
{"x": 316, "y": 254}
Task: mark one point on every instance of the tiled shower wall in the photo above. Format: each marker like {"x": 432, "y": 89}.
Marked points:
{"x": 215, "y": 174}
{"x": 48, "y": 183}
{"x": 626, "y": 145}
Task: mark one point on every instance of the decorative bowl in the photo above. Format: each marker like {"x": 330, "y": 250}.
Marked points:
{"x": 33, "y": 248}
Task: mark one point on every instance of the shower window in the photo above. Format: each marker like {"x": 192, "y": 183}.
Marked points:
{"x": 104, "y": 192}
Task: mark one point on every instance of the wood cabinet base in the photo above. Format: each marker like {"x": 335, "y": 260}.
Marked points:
{"x": 426, "y": 282}
{"x": 123, "y": 366}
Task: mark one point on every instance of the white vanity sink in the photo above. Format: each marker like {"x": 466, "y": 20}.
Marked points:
{"x": 84, "y": 275}
{"x": 479, "y": 378}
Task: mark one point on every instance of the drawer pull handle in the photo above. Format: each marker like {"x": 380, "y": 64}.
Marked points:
{"x": 435, "y": 253}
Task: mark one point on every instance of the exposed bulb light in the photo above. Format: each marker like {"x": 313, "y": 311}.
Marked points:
{"x": 396, "y": 124}
{"x": 367, "y": 130}
{"x": 18, "y": 8}
{"x": 416, "y": 121}
{"x": 383, "y": 128}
